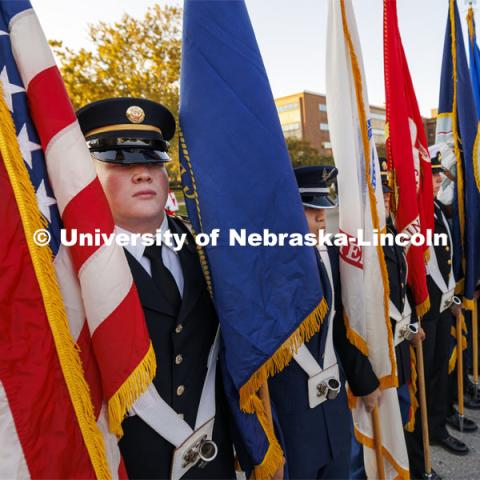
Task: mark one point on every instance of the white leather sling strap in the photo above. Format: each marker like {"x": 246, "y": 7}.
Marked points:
{"x": 402, "y": 320}
{"x": 433, "y": 270}
{"x": 156, "y": 413}
{"x": 307, "y": 361}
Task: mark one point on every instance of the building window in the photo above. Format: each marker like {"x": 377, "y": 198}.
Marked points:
{"x": 324, "y": 126}
{"x": 322, "y": 107}
{"x": 290, "y": 127}
{"x": 379, "y": 116}
{"x": 287, "y": 107}
{"x": 327, "y": 145}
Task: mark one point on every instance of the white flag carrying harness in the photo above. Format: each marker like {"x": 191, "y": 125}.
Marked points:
{"x": 192, "y": 446}
{"x": 448, "y": 291}
{"x": 323, "y": 384}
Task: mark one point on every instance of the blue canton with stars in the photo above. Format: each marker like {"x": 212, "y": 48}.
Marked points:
{"x": 16, "y": 100}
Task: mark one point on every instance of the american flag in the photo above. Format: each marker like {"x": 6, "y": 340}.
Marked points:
{"x": 74, "y": 349}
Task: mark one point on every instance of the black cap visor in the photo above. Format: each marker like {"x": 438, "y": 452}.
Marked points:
{"x": 131, "y": 156}
{"x": 318, "y": 201}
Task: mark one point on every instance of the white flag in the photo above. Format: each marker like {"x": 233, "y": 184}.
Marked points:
{"x": 364, "y": 276}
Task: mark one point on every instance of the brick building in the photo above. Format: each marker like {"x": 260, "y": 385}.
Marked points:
{"x": 304, "y": 116}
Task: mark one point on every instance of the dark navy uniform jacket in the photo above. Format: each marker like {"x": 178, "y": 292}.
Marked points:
{"x": 399, "y": 292}
{"x": 443, "y": 254}
{"x": 188, "y": 333}
{"x": 316, "y": 437}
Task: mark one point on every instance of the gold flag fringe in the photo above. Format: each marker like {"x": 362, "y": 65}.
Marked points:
{"x": 353, "y": 337}
{"x": 133, "y": 387}
{"x": 423, "y": 307}
{"x": 249, "y": 401}
{"x": 282, "y": 357}
{"x": 453, "y": 357}
{"x": 42, "y": 260}
{"x": 402, "y": 473}
{"x": 426, "y": 255}
{"x": 273, "y": 459}
{"x": 371, "y": 193}
{"x": 412, "y": 390}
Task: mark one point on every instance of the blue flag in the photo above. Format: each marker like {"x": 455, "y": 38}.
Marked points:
{"x": 457, "y": 125}
{"x": 238, "y": 178}
{"x": 474, "y": 58}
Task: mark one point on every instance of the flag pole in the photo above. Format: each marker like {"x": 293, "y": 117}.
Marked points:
{"x": 475, "y": 344}
{"x": 423, "y": 408}
{"x": 377, "y": 433}
{"x": 459, "y": 323}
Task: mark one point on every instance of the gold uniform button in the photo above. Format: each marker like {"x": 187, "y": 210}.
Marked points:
{"x": 179, "y": 359}
{"x": 449, "y": 262}
{"x": 447, "y": 248}
{"x": 179, "y": 328}
{"x": 180, "y": 390}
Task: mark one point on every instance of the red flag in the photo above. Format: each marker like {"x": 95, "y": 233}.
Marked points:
{"x": 408, "y": 156}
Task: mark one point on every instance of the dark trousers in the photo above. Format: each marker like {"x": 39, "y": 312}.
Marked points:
{"x": 436, "y": 353}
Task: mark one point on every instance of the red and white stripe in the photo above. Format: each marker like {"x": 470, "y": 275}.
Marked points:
{"x": 102, "y": 304}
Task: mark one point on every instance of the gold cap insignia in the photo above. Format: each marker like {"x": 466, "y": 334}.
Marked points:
{"x": 135, "y": 114}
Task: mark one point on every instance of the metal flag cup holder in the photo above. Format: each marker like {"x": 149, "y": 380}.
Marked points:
{"x": 329, "y": 389}
{"x": 202, "y": 452}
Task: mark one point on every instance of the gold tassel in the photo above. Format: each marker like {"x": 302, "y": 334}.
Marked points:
{"x": 42, "y": 260}
{"x": 412, "y": 390}
{"x": 133, "y": 387}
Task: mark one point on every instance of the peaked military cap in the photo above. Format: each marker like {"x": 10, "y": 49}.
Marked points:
{"x": 437, "y": 163}
{"x": 314, "y": 184}
{"x": 384, "y": 175}
{"x": 127, "y": 130}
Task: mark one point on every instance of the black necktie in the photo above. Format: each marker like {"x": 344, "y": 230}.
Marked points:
{"x": 162, "y": 276}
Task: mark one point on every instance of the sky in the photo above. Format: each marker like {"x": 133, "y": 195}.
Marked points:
{"x": 292, "y": 38}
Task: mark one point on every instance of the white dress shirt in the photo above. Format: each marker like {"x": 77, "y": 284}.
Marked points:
{"x": 169, "y": 256}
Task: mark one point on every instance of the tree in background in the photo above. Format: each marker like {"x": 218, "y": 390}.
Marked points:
{"x": 129, "y": 58}
{"x": 303, "y": 154}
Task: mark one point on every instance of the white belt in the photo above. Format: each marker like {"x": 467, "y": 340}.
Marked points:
{"x": 434, "y": 271}
{"x": 323, "y": 384}
{"x": 156, "y": 413}
{"x": 447, "y": 300}
{"x": 402, "y": 320}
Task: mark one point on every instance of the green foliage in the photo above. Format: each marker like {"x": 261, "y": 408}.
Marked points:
{"x": 302, "y": 154}
{"x": 130, "y": 58}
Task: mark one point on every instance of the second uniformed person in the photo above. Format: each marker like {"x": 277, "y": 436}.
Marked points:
{"x": 313, "y": 417}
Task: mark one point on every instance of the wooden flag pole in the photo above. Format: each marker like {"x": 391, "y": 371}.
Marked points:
{"x": 459, "y": 324}
{"x": 475, "y": 344}
{"x": 377, "y": 433}
{"x": 423, "y": 408}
